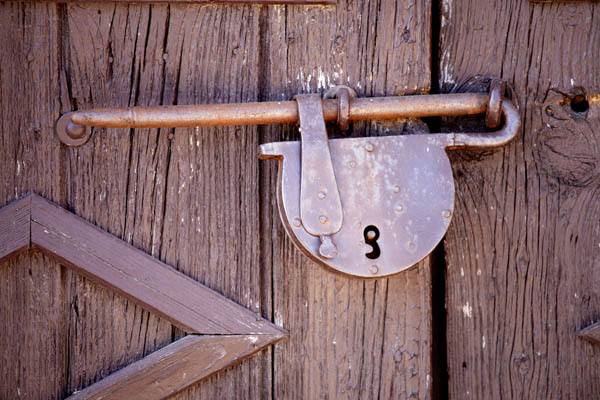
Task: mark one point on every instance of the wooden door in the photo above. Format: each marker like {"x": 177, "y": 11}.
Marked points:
{"x": 497, "y": 306}
{"x": 522, "y": 254}
{"x": 199, "y": 199}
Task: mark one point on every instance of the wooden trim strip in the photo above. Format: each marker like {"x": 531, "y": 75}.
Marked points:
{"x": 136, "y": 275}
{"x": 15, "y": 232}
{"x": 175, "y": 367}
{"x": 267, "y": 2}
{"x": 591, "y": 333}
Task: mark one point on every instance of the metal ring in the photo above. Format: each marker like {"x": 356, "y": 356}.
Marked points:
{"x": 71, "y": 133}
{"x": 493, "y": 114}
{"x": 343, "y": 94}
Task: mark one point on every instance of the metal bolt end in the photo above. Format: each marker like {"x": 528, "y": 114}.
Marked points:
{"x": 374, "y": 269}
{"x": 446, "y": 213}
{"x": 322, "y": 194}
{"x": 493, "y": 114}
{"x": 369, "y": 147}
{"x": 327, "y": 248}
{"x": 352, "y": 164}
{"x": 396, "y": 189}
{"x": 323, "y": 219}
{"x": 70, "y": 133}
{"x": 399, "y": 208}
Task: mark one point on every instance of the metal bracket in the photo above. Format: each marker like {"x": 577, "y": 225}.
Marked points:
{"x": 320, "y": 205}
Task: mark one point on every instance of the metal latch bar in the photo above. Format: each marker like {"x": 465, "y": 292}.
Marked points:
{"x": 71, "y": 127}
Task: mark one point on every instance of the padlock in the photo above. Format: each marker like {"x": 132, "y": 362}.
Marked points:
{"x": 365, "y": 206}
{"x": 382, "y": 203}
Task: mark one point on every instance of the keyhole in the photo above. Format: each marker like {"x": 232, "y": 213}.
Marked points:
{"x": 371, "y": 235}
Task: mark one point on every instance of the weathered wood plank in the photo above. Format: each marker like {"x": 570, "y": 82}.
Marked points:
{"x": 217, "y": 2}
{"x": 175, "y": 367}
{"x": 113, "y": 55}
{"x": 15, "y": 228}
{"x": 138, "y": 276}
{"x": 522, "y": 251}
{"x": 33, "y": 350}
{"x": 33, "y": 334}
{"x": 350, "y": 338}
{"x": 559, "y": 1}
{"x": 212, "y": 226}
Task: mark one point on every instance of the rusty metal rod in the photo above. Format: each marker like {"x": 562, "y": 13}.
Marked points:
{"x": 277, "y": 112}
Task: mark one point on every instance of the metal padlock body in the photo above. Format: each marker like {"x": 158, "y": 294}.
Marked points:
{"x": 402, "y": 185}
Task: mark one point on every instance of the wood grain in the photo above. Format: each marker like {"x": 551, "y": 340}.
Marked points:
{"x": 151, "y": 284}
{"x": 212, "y": 214}
{"x": 175, "y": 367}
{"x": 158, "y": 188}
{"x": 218, "y": 2}
{"x": 522, "y": 252}
{"x": 350, "y": 338}
{"x": 559, "y": 1}
{"x": 33, "y": 305}
{"x": 197, "y": 199}
{"x": 15, "y": 228}
{"x": 112, "y": 55}
{"x": 146, "y": 281}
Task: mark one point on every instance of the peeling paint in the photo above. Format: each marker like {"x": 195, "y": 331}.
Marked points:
{"x": 467, "y": 310}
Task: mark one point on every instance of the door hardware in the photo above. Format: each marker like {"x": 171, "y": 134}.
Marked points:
{"x": 366, "y": 206}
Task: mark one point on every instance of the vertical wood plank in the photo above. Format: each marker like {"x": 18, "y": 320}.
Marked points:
{"x": 33, "y": 338}
{"x": 212, "y": 194}
{"x": 114, "y": 57}
{"x": 349, "y": 338}
{"x": 522, "y": 251}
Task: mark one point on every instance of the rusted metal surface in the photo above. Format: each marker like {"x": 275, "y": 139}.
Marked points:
{"x": 400, "y": 185}
{"x": 275, "y": 112}
{"x": 512, "y": 124}
{"x": 493, "y": 114}
{"x": 344, "y": 95}
{"x": 320, "y": 206}
{"x": 71, "y": 133}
